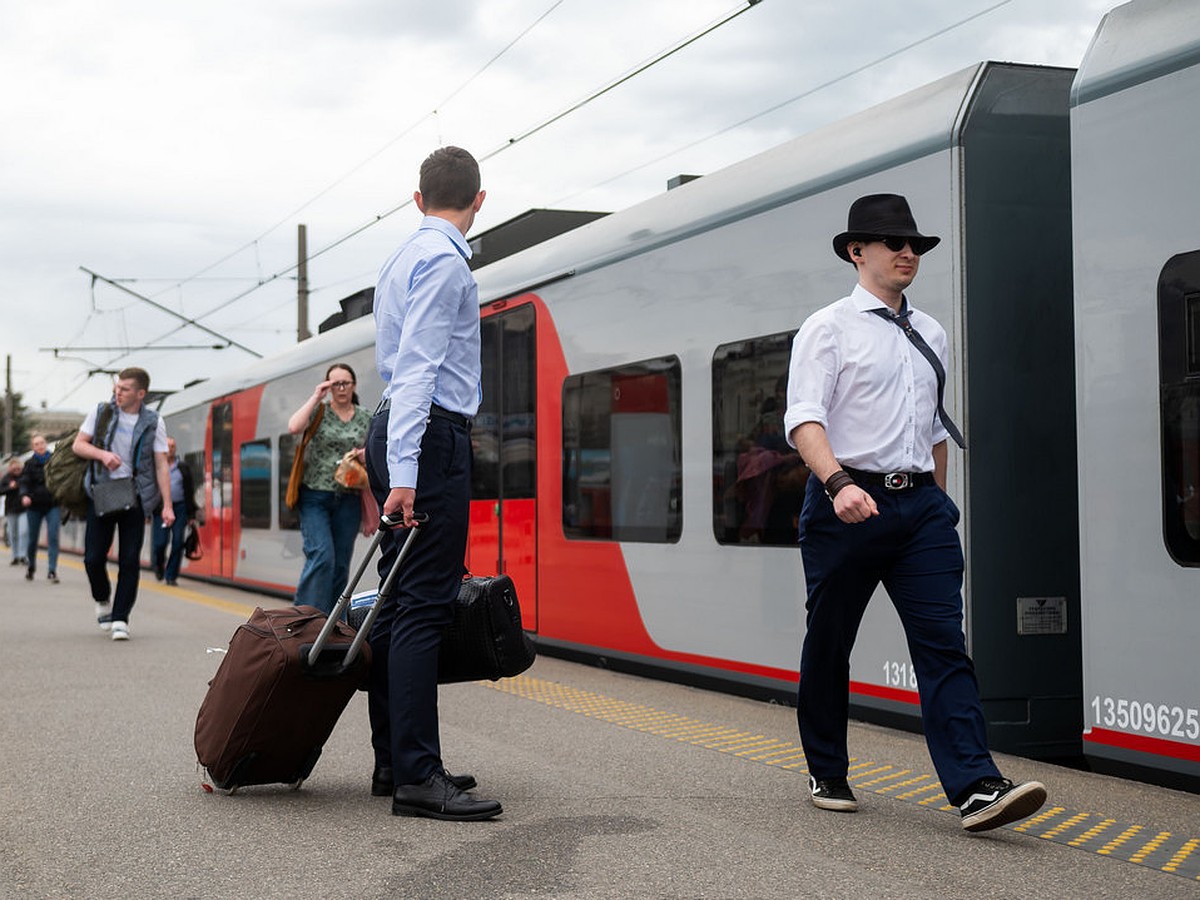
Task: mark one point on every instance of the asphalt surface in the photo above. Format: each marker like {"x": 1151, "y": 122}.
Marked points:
{"x": 613, "y": 787}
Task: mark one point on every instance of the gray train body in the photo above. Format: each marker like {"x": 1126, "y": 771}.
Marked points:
{"x": 1059, "y": 198}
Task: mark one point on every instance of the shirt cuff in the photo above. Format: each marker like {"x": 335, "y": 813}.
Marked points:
{"x": 402, "y": 475}
{"x": 799, "y": 414}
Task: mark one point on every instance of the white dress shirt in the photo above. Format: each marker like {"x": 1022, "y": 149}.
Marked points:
{"x": 859, "y": 377}
{"x": 426, "y": 338}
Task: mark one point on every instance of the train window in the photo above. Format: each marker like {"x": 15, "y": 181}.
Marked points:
{"x": 758, "y": 480}
{"x": 195, "y": 462}
{"x": 621, "y": 453}
{"x": 254, "y": 464}
{"x": 289, "y": 519}
{"x": 1179, "y": 404}
{"x": 504, "y": 434}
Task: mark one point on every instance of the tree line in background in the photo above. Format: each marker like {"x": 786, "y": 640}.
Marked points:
{"x": 22, "y": 427}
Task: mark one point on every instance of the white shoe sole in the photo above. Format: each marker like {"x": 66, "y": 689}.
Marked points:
{"x": 1019, "y": 803}
{"x": 835, "y": 805}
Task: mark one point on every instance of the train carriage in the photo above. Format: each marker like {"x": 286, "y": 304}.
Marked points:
{"x": 1136, "y": 192}
{"x": 630, "y": 471}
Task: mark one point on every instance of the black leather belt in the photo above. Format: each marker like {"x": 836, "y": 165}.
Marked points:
{"x": 439, "y": 412}
{"x": 893, "y": 481}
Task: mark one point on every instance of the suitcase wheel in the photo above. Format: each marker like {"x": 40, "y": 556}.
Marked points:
{"x": 295, "y": 785}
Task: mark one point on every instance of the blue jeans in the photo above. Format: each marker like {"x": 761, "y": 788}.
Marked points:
{"x": 130, "y": 530}
{"x": 913, "y": 549}
{"x": 169, "y": 565}
{"x": 17, "y": 536}
{"x": 329, "y": 521}
{"x": 33, "y": 526}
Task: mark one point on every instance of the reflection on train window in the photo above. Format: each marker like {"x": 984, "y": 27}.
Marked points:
{"x": 621, "y": 453}
{"x": 503, "y": 436}
{"x": 1179, "y": 399}
{"x": 254, "y": 465}
{"x": 289, "y": 519}
{"x": 758, "y": 480}
{"x": 195, "y": 462}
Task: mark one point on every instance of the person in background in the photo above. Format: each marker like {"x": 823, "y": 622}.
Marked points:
{"x": 39, "y": 505}
{"x": 135, "y": 446}
{"x": 419, "y": 459}
{"x": 329, "y": 514}
{"x": 14, "y": 512}
{"x": 183, "y": 503}
{"x": 865, "y": 410}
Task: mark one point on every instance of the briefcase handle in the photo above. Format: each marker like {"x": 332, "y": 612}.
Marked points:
{"x": 386, "y": 524}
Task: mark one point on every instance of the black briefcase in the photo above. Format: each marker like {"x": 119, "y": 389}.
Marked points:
{"x": 485, "y": 639}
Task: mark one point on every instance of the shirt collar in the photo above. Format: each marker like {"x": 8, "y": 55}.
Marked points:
{"x": 437, "y": 223}
{"x": 864, "y": 301}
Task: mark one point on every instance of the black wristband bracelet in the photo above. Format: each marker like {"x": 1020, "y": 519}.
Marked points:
{"x": 836, "y": 482}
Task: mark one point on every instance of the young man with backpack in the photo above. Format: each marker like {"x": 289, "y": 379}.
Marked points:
{"x": 133, "y": 446}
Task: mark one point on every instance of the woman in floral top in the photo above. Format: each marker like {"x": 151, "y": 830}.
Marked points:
{"x": 329, "y": 514}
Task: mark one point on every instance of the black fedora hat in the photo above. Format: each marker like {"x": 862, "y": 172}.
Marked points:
{"x": 882, "y": 215}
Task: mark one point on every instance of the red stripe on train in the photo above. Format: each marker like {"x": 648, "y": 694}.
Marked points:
{"x": 885, "y": 693}
{"x": 1143, "y": 744}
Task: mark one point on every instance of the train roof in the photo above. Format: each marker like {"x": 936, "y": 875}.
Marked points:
{"x": 909, "y": 127}
{"x": 334, "y": 344}
{"x": 905, "y": 128}
{"x": 1136, "y": 43}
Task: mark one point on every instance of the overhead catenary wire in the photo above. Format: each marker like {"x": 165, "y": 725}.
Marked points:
{"x": 511, "y": 142}
{"x": 794, "y": 99}
{"x": 373, "y": 156}
{"x": 595, "y": 95}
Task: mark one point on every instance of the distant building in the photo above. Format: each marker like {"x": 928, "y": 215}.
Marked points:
{"x": 54, "y": 423}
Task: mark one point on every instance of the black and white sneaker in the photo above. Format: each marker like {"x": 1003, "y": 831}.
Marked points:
{"x": 994, "y": 802}
{"x": 832, "y": 793}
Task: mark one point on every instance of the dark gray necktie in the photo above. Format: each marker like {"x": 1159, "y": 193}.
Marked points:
{"x": 901, "y": 321}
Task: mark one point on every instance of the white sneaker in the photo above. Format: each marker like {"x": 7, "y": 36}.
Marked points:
{"x": 104, "y": 616}
{"x": 120, "y": 631}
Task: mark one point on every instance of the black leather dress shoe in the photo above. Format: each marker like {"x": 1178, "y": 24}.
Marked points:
{"x": 383, "y": 786}
{"x": 437, "y": 798}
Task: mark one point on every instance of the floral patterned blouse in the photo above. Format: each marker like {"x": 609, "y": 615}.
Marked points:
{"x": 329, "y": 444}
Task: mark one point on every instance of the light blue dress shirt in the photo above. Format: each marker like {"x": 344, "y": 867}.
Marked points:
{"x": 426, "y": 338}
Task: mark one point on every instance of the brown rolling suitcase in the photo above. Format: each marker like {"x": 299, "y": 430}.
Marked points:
{"x": 281, "y": 688}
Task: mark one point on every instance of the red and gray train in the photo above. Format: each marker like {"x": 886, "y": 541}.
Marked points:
{"x": 630, "y": 471}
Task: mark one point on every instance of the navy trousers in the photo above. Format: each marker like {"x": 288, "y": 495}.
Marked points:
{"x": 912, "y": 548}
{"x": 407, "y": 634}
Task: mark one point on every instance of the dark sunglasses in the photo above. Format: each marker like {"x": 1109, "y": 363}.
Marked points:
{"x": 896, "y": 244}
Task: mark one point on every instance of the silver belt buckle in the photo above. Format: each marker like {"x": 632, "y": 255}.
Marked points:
{"x": 896, "y": 481}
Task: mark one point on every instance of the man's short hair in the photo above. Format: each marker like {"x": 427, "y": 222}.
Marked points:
{"x": 141, "y": 376}
{"x": 449, "y": 179}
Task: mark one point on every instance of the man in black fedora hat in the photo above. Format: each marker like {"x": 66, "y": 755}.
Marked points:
{"x": 865, "y": 409}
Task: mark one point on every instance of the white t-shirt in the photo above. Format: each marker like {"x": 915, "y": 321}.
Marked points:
{"x": 123, "y": 440}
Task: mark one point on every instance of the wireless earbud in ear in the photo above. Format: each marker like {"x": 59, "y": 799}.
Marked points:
{"x": 858, "y": 251}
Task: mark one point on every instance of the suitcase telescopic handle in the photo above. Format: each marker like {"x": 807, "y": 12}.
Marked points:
{"x": 343, "y": 602}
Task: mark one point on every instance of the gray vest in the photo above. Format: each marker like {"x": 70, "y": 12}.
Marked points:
{"x": 145, "y": 478}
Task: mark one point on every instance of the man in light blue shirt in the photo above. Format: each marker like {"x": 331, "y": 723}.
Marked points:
{"x": 419, "y": 458}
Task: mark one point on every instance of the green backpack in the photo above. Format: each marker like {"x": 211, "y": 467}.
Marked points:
{"x": 64, "y": 470}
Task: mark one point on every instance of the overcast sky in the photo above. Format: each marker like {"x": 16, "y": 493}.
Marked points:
{"x": 151, "y": 141}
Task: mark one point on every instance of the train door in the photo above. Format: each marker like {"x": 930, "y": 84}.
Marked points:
{"x": 221, "y": 454}
{"x": 503, "y": 538}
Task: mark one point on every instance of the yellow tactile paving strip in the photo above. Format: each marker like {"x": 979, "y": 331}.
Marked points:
{"x": 1137, "y": 844}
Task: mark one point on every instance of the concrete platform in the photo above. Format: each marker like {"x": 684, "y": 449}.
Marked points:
{"x": 613, "y": 787}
